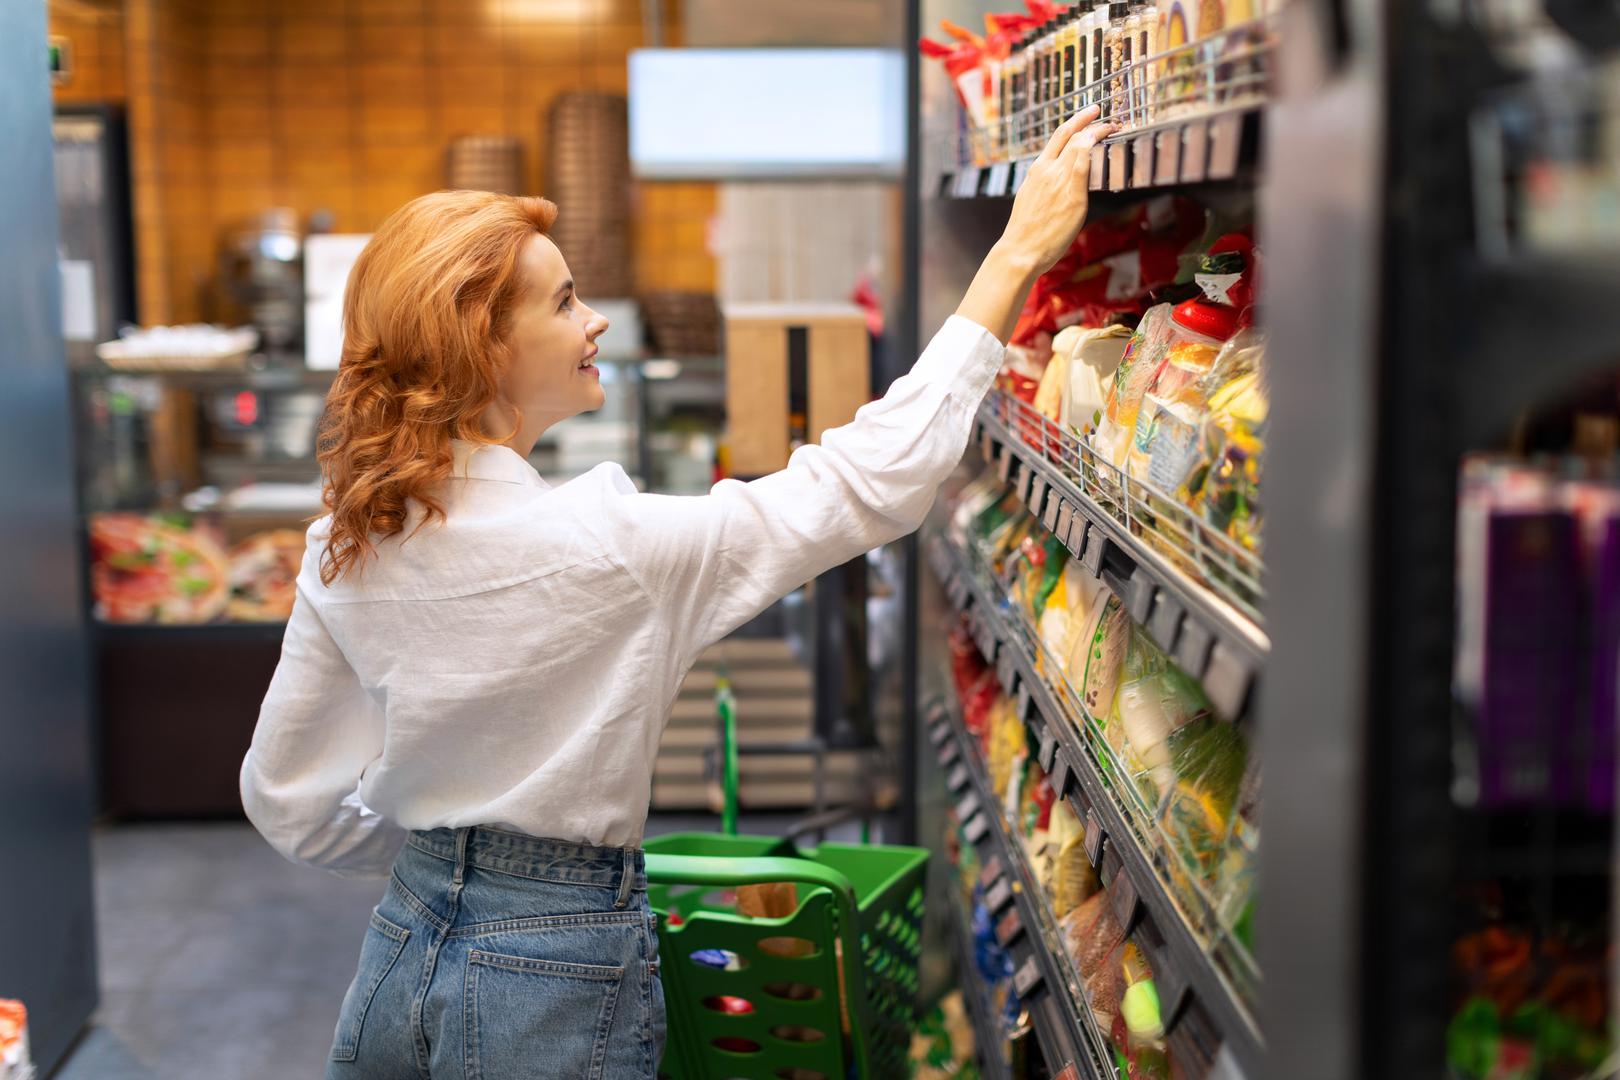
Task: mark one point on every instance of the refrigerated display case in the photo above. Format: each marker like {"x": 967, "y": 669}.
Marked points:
{"x": 1385, "y": 583}
{"x": 195, "y": 488}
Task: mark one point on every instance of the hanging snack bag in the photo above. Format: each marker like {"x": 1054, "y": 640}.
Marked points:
{"x": 1138, "y": 367}
{"x": 1104, "y": 658}
{"x": 1094, "y": 356}
{"x": 1197, "y": 331}
{"x": 1155, "y": 701}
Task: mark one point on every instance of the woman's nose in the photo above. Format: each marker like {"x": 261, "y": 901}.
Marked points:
{"x": 596, "y": 325}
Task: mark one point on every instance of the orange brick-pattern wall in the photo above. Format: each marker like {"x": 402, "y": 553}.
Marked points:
{"x": 349, "y": 106}
{"x": 671, "y": 241}
{"x": 96, "y": 43}
{"x": 174, "y": 243}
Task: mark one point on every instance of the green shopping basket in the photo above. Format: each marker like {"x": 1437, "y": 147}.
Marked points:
{"x": 737, "y": 1007}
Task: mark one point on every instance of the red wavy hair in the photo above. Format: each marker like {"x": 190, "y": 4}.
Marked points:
{"x": 425, "y": 322}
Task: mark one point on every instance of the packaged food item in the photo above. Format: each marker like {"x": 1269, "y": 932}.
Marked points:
{"x": 1178, "y": 20}
{"x": 1189, "y": 355}
{"x": 1073, "y": 878}
{"x": 1137, "y": 1031}
{"x": 15, "y": 1061}
{"x": 1094, "y": 354}
{"x": 1138, "y": 367}
{"x": 1054, "y": 557}
{"x": 1200, "y": 812}
{"x": 1091, "y": 933}
{"x": 1106, "y": 646}
{"x": 1155, "y": 700}
{"x": 1007, "y": 742}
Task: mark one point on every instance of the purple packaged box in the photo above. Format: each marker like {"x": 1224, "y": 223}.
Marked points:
{"x": 1600, "y": 539}
{"x": 1530, "y": 663}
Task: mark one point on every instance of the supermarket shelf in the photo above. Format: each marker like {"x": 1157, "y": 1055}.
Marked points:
{"x": 1207, "y": 635}
{"x": 275, "y": 376}
{"x": 1212, "y": 147}
{"x": 1043, "y": 977}
{"x": 1211, "y": 1032}
{"x": 986, "y": 1041}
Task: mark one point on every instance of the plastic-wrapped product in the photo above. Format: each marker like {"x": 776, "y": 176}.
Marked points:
{"x": 1137, "y": 1031}
{"x": 1074, "y": 879}
{"x": 1154, "y": 702}
{"x": 1094, "y": 355}
{"x": 1091, "y": 932}
{"x": 1137, "y": 369}
{"x": 1210, "y": 757}
{"x": 1007, "y": 741}
{"x": 1104, "y": 658}
{"x": 1223, "y": 483}
{"x": 1054, "y": 557}
{"x": 1197, "y": 330}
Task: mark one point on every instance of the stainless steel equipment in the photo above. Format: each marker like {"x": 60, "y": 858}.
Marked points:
{"x": 262, "y": 268}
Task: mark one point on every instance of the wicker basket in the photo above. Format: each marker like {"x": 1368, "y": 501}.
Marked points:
{"x": 682, "y": 323}
{"x": 590, "y": 183}
{"x": 485, "y": 163}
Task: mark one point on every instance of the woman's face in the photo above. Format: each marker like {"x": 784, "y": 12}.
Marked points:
{"x": 553, "y": 345}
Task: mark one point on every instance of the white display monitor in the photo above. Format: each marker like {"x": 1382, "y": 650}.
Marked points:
{"x": 723, "y": 114}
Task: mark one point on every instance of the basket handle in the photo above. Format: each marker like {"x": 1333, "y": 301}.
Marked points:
{"x": 721, "y": 871}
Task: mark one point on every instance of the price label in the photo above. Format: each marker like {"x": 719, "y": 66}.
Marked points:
{"x": 939, "y": 732}
{"x": 1142, "y": 161}
{"x": 1192, "y": 650}
{"x": 1048, "y": 752}
{"x": 1070, "y": 1072}
{"x": 1167, "y": 156}
{"x": 1118, "y": 164}
{"x": 1194, "y": 151}
{"x": 1165, "y": 621}
{"x": 1004, "y": 464}
{"x": 1069, "y": 778}
{"x": 1008, "y": 928}
{"x": 1094, "y": 552}
{"x": 987, "y": 445}
{"x": 1055, "y": 507}
{"x": 967, "y": 183}
{"x": 949, "y": 753}
{"x": 1026, "y": 481}
{"x": 998, "y": 896}
{"x": 968, "y": 807}
{"x": 1079, "y": 534}
{"x": 959, "y": 777}
{"x": 975, "y": 829}
{"x": 1138, "y": 597}
{"x": 1226, "y": 680}
{"x": 1037, "y": 495}
{"x": 990, "y": 871}
{"x": 1023, "y": 701}
{"x": 998, "y": 180}
{"x": 1225, "y": 145}
{"x": 1122, "y": 898}
{"x": 1094, "y": 839}
{"x": 1099, "y": 167}
{"x": 1020, "y": 170}
{"x": 1064, "y": 523}
{"x": 1026, "y": 978}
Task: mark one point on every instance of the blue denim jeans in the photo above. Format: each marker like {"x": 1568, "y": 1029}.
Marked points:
{"x": 496, "y": 956}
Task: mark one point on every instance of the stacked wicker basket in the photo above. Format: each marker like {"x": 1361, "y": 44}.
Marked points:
{"x": 589, "y": 146}
{"x": 485, "y": 163}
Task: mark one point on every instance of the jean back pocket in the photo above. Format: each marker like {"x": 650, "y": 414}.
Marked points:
{"x": 378, "y": 953}
{"x": 527, "y": 1017}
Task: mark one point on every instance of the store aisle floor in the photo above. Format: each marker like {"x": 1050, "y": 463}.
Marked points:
{"x": 221, "y": 961}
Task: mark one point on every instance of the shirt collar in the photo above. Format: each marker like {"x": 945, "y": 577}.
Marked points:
{"x": 481, "y": 461}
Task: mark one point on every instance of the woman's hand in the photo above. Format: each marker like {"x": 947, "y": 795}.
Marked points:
{"x": 1047, "y": 213}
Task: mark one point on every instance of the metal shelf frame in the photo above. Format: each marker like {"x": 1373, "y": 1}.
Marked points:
{"x": 1043, "y": 976}
{"x": 1211, "y": 1031}
{"x": 1207, "y": 637}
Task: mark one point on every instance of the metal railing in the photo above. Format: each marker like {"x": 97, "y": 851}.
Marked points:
{"x": 1229, "y": 69}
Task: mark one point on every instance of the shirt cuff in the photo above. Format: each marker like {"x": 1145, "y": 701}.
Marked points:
{"x": 964, "y": 357}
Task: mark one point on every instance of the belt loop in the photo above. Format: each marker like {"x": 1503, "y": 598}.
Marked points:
{"x": 462, "y": 835}
{"x": 627, "y": 878}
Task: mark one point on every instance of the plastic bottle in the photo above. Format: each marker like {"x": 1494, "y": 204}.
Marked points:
{"x": 1015, "y": 73}
{"x": 1069, "y": 42}
{"x": 1115, "y": 104}
{"x": 1147, "y": 44}
{"x": 1082, "y": 55}
{"x": 1099, "y": 54}
{"x": 1049, "y": 64}
{"x": 1130, "y": 54}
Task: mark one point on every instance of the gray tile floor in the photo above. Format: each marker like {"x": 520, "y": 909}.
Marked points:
{"x": 221, "y": 961}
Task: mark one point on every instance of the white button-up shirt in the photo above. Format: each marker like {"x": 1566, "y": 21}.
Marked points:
{"x": 515, "y": 664}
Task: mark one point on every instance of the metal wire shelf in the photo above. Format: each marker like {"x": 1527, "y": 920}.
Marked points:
{"x": 1183, "y": 884}
{"x": 1090, "y": 1045}
{"x": 1186, "y": 539}
{"x": 1216, "y": 1023}
{"x": 1232, "y": 69}
{"x": 1196, "y": 590}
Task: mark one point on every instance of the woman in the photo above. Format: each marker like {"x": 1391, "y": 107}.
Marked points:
{"x": 479, "y": 666}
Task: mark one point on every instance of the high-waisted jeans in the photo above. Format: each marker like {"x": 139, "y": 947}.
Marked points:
{"x": 495, "y": 956}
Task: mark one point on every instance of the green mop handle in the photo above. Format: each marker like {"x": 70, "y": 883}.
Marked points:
{"x": 726, "y": 704}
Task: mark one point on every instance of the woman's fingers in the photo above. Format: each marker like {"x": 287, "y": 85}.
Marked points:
{"x": 1081, "y": 144}
{"x": 1061, "y": 137}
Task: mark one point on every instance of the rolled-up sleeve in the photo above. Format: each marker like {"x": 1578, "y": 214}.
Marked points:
{"x": 714, "y": 561}
{"x": 318, "y": 730}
